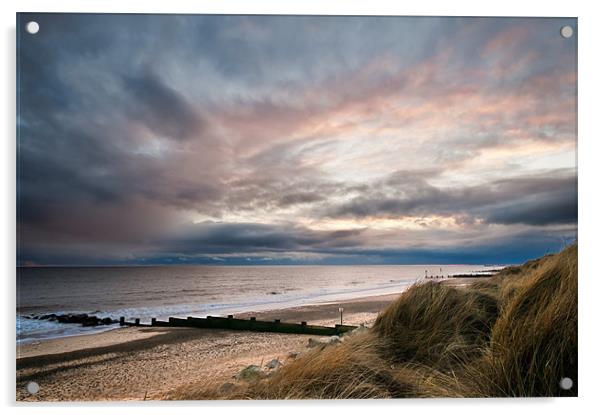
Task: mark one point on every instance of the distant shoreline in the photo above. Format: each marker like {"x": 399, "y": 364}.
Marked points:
{"x": 218, "y": 264}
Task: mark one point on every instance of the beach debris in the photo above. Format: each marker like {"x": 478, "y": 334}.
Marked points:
{"x": 293, "y": 355}
{"x": 323, "y": 341}
{"x": 250, "y": 373}
{"x": 273, "y": 364}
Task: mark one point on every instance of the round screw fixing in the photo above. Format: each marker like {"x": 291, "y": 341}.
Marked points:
{"x": 566, "y": 32}
{"x": 32, "y": 27}
{"x": 32, "y": 388}
{"x": 566, "y": 383}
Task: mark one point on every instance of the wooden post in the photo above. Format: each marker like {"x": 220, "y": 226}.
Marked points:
{"x": 230, "y": 316}
{"x": 277, "y": 320}
{"x": 252, "y": 319}
{"x": 153, "y": 321}
{"x": 304, "y": 323}
{"x": 122, "y": 321}
{"x": 137, "y": 322}
{"x": 341, "y": 311}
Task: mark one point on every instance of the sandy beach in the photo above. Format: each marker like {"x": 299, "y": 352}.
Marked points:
{"x": 138, "y": 363}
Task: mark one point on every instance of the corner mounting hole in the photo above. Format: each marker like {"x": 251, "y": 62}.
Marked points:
{"x": 32, "y": 388}
{"x": 566, "y": 32}
{"x": 566, "y": 383}
{"x": 32, "y": 27}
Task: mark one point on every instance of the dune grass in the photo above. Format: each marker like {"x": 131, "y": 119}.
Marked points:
{"x": 514, "y": 334}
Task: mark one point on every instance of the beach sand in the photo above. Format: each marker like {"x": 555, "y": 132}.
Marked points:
{"x": 147, "y": 363}
{"x": 137, "y": 363}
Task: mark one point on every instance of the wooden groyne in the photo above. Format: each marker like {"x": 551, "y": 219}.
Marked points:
{"x": 474, "y": 274}
{"x": 252, "y": 324}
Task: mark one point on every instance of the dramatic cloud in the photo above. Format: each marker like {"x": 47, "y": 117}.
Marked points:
{"x": 294, "y": 139}
{"x": 534, "y": 200}
{"x": 161, "y": 109}
{"x": 226, "y": 238}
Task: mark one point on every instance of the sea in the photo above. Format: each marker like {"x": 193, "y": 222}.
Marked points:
{"x": 181, "y": 291}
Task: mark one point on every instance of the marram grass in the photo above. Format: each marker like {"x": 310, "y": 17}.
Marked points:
{"x": 514, "y": 334}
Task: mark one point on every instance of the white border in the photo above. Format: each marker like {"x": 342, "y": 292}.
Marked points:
{"x": 348, "y": 7}
{"x": 590, "y": 232}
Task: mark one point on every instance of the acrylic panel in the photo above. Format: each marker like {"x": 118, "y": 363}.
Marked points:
{"x": 295, "y": 207}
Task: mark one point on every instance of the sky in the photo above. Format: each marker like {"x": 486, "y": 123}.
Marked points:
{"x": 190, "y": 139}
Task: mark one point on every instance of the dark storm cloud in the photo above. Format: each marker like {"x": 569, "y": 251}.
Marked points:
{"x": 162, "y": 109}
{"x": 236, "y": 244}
{"x": 92, "y": 125}
{"x": 509, "y": 249}
{"x": 545, "y": 209}
{"x": 236, "y": 241}
{"x": 528, "y": 200}
{"x": 229, "y": 238}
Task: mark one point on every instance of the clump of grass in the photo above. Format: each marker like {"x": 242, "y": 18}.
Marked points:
{"x": 514, "y": 334}
{"x": 437, "y": 325}
{"x": 534, "y": 341}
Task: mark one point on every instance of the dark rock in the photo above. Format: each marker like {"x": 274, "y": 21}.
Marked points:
{"x": 83, "y": 319}
{"x": 90, "y": 321}
{"x": 77, "y": 318}
{"x": 273, "y": 364}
